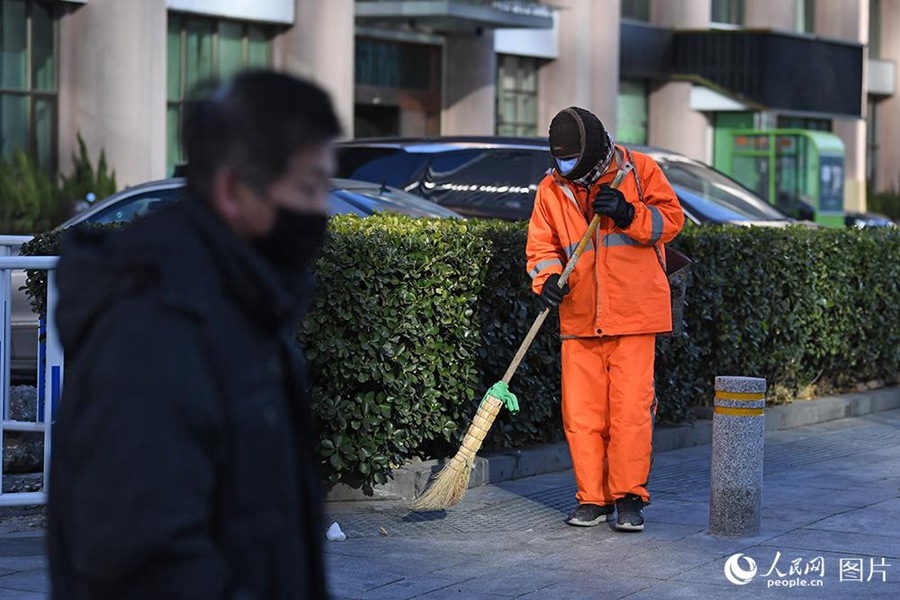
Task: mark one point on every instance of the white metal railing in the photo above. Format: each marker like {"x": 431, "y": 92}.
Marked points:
{"x": 52, "y": 365}
{"x": 9, "y": 244}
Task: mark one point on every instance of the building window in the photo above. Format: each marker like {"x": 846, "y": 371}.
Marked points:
{"x": 728, "y": 12}
{"x": 631, "y": 112}
{"x": 398, "y": 88}
{"x": 389, "y": 64}
{"x": 874, "y": 28}
{"x": 28, "y": 91}
{"x": 787, "y": 122}
{"x": 636, "y": 10}
{"x": 806, "y": 16}
{"x": 872, "y": 123}
{"x": 202, "y": 49}
{"x": 517, "y": 95}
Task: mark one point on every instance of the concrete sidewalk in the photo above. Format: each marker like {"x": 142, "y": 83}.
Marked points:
{"x": 831, "y": 508}
{"x": 410, "y": 480}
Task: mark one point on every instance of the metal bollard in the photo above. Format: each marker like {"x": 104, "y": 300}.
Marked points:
{"x": 736, "y": 478}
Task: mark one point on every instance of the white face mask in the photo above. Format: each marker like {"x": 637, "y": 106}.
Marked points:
{"x": 565, "y": 166}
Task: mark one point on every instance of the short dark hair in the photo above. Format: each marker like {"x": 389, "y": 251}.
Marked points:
{"x": 253, "y": 124}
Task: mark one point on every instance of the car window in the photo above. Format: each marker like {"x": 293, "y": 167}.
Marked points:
{"x": 502, "y": 180}
{"x": 389, "y": 166}
{"x": 133, "y": 207}
{"x": 713, "y": 196}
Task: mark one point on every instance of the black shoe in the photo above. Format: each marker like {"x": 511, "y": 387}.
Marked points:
{"x": 588, "y": 515}
{"x": 630, "y": 511}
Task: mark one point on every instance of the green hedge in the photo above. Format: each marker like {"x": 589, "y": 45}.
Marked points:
{"x": 415, "y": 319}
{"x": 810, "y": 310}
{"x": 507, "y": 309}
{"x": 393, "y": 340}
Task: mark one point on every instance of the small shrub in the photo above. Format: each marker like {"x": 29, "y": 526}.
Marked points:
{"x": 507, "y": 308}
{"x": 31, "y": 201}
{"x": 28, "y": 196}
{"x": 86, "y": 182}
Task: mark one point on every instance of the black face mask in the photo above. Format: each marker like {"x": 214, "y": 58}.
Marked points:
{"x": 294, "y": 240}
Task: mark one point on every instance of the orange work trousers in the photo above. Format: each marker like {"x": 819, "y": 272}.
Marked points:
{"x": 608, "y": 407}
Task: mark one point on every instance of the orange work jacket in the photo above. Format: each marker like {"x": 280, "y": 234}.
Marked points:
{"x": 622, "y": 289}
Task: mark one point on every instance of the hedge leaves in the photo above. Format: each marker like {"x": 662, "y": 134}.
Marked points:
{"x": 415, "y": 319}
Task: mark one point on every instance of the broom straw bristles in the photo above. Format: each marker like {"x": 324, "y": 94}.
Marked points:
{"x": 450, "y": 484}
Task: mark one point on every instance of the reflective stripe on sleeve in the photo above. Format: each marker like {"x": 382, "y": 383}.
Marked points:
{"x": 656, "y": 221}
{"x": 570, "y": 249}
{"x": 543, "y": 265}
{"x": 619, "y": 239}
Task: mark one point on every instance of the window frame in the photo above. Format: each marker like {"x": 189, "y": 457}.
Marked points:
{"x": 872, "y": 145}
{"x": 31, "y": 94}
{"x": 875, "y": 37}
{"x": 643, "y": 87}
{"x": 809, "y": 16}
{"x": 183, "y": 21}
{"x": 520, "y": 126}
{"x": 734, "y": 13}
{"x": 636, "y": 10}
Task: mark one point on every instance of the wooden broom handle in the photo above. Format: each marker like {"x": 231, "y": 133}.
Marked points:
{"x": 570, "y": 266}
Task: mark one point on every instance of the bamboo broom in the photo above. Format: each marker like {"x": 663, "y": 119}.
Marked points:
{"x": 450, "y": 484}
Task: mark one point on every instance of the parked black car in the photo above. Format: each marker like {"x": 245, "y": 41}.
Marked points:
{"x": 496, "y": 177}
{"x": 867, "y": 219}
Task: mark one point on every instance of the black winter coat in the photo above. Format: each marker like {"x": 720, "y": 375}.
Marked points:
{"x": 182, "y": 451}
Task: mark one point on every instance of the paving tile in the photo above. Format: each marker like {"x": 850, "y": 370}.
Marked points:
{"x": 864, "y": 544}
{"x": 584, "y": 584}
{"x": 31, "y": 581}
{"x": 830, "y": 490}
{"x": 22, "y": 563}
{"x": 14, "y": 594}
{"x": 787, "y": 490}
{"x": 667, "y": 509}
{"x": 882, "y": 518}
{"x": 22, "y": 546}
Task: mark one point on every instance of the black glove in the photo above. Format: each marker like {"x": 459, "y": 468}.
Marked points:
{"x": 612, "y": 202}
{"x": 552, "y": 294}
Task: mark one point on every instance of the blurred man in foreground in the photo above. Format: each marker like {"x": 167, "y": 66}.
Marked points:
{"x": 183, "y": 463}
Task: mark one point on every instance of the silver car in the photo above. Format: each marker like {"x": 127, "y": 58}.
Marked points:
{"x": 346, "y": 196}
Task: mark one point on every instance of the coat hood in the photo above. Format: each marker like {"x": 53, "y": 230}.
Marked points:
{"x": 90, "y": 276}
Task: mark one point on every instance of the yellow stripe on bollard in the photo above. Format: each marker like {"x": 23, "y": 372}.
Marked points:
{"x": 739, "y": 396}
{"x": 738, "y": 412}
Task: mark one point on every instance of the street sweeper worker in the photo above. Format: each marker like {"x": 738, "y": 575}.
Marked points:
{"x": 614, "y": 303}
